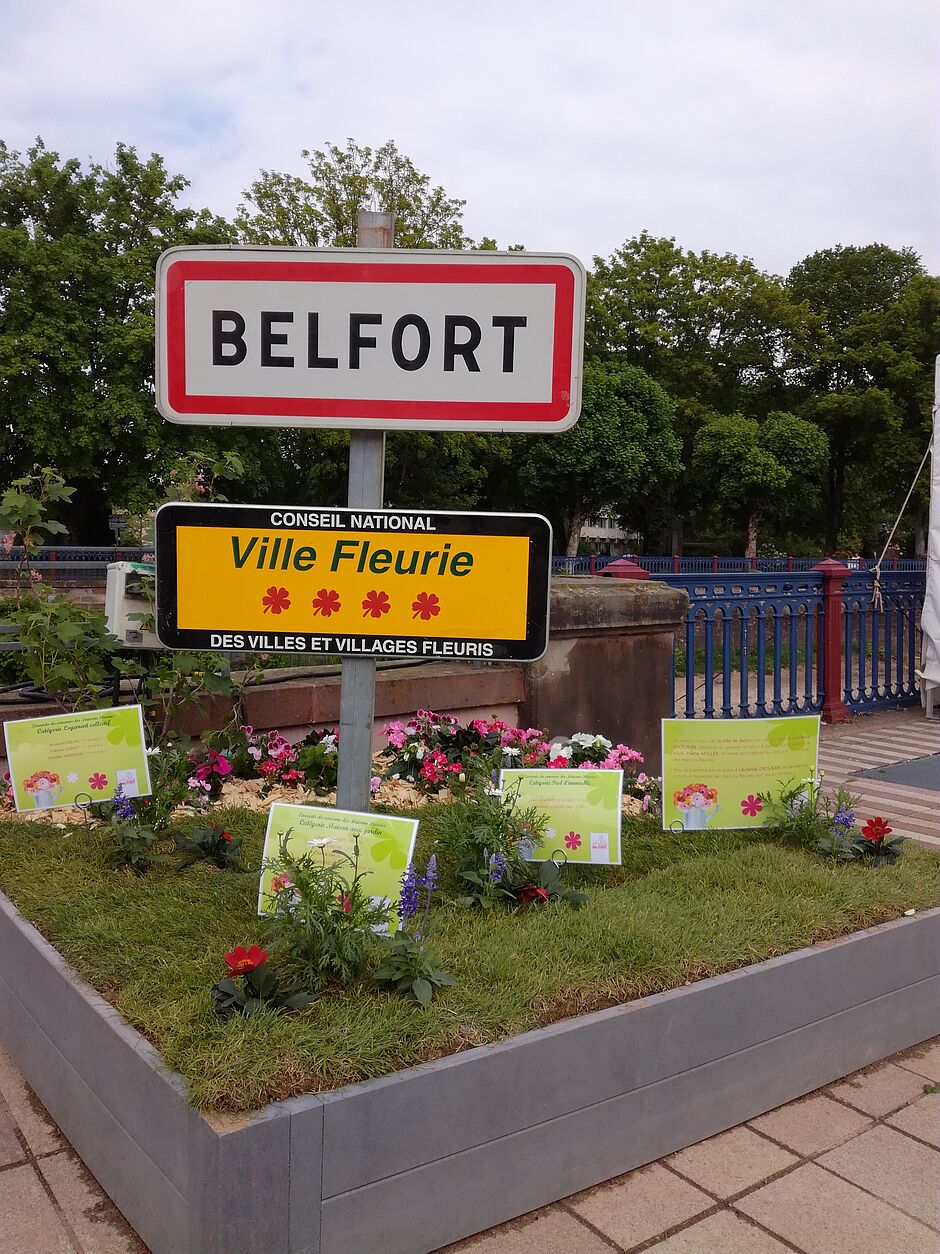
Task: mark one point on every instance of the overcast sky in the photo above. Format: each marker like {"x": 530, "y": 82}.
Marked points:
{"x": 768, "y": 128}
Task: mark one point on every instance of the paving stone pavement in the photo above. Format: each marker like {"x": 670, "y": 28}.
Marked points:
{"x": 851, "y": 1169}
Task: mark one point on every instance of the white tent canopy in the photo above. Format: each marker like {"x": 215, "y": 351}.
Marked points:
{"x": 930, "y": 620}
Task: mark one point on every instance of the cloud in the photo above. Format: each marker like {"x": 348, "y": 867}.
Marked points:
{"x": 765, "y": 130}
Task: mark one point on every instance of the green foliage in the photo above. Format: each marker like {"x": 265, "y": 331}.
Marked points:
{"x": 410, "y": 969}
{"x": 212, "y": 843}
{"x": 169, "y": 770}
{"x": 322, "y": 210}
{"x": 78, "y": 248}
{"x": 260, "y": 990}
{"x": 468, "y": 832}
{"x": 68, "y": 650}
{"x": 24, "y": 513}
{"x": 12, "y": 663}
{"x": 622, "y": 449}
{"x": 745, "y": 469}
{"x": 132, "y": 846}
{"x": 322, "y": 929}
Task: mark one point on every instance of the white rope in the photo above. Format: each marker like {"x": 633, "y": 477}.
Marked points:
{"x": 876, "y": 599}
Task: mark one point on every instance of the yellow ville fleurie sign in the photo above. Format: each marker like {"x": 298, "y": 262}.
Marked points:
{"x": 407, "y": 583}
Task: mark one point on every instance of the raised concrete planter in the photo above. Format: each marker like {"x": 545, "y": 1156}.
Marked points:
{"x": 415, "y": 1160}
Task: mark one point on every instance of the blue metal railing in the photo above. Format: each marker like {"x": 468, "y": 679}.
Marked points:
{"x": 722, "y": 565}
{"x": 751, "y": 645}
{"x": 881, "y": 640}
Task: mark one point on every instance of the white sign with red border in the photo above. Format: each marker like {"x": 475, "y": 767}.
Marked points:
{"x": 391, "y": 339}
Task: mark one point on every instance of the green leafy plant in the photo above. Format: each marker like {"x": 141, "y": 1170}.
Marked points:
{"x": 169, "y": 768}
{"x": 324, "y": 922}
{"x": 484, "y": 824}
{"x": 68, "y": 651}
{"x": 212, "y": 844}
{"x": 132, "y": 845}
{"x": 24, "y": 514}
{"x": 410, "y": 969}
{"x": 550, "y": 887}
{"x": 260, "y": 988}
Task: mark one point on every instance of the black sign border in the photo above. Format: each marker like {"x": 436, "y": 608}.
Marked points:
{"x": 534, "y": 527}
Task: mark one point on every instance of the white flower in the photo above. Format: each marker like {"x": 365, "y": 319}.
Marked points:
{"x": 153, "y": 753}
{"x": 603, "y": 742}
{"x": 512, "y": 751}
{"x": 72, "y": 778}
{"x": 329, "y": 742}
{"x": 493, "y": 792}
{"x": 419, "y": 754}
{"x": 326, "y": 840}
{"x": 586, "y": 740}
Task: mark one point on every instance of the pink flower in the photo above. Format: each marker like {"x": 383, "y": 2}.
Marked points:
{"x": 751, "y": 806}
{"x": 345, "y": 902}
{"x": 646, "y": 802}
{"x": 573, "y": 840}
{"x": 281, "y": 883}
{"x": 375, "y": 783}
{"x": 269, "y": 767}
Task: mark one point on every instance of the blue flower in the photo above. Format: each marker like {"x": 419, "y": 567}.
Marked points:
{"x": 408, "y": 901}
{"x": 122, "y": 807}
{"x": 497, "y": 867}
{"x": 844, "y": 818}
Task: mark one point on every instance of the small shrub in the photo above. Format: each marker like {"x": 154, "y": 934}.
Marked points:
{"x": 260, "y": 988}
{"x": 213, "y": 844}
{"x": 323, "y": 926}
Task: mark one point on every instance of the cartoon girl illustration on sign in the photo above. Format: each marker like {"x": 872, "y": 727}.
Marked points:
{"x": 698, "y": 804}
{"x": 43, "y": 787}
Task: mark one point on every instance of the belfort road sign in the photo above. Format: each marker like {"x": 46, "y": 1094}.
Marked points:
{"x": 357, "y": 582}
{"x": 466, "y": 341}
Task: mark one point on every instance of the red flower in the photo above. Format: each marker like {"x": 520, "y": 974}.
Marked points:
{"x": 532, "y": 893}
{"x": 219, "y": 763}
{"x": 225, "y": 836}
{"x": 426, "y": 604}
{"x": 573, "y": 840}
{"x": 751, "y": 806}
{"x": 98, "y": 781}
{"x": 241, "y": 961}
{"x": 345, "y": 902}
{"x": 326, "y": 602}
{"x": 281, "y": 883}
{"x": 276, "y": 600}
{"x": 876, "y": 829}
{"x": 376, "y": 604}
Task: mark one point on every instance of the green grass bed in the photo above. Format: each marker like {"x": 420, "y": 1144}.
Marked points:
{"x": 682, "y": 907}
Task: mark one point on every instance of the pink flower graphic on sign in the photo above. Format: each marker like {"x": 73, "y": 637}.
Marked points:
{"x": 98, "y": 781}
{"x": 573, "y": 840}
{"x": 751, "y": 806}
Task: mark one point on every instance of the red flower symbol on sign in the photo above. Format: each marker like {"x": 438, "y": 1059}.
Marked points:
{"x": 326, "y": 602}
{"x": 751, "y": 806}
{"x": 426, "y": 604}
{"x": 276, "y": 599}
{"x": 573, "y": 840}
{"x": 376, "y": 604}
{"x": 98, "y": 781}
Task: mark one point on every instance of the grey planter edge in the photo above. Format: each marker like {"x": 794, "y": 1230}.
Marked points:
{"x": 412, "y": 1161}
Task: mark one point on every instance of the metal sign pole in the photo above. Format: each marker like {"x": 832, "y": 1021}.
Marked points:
{"x": 366, "y": 490}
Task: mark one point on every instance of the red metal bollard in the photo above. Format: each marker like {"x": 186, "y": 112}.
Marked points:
{"x": 834, "y": 574}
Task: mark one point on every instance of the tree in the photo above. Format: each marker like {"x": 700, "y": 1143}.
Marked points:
{"x": 712, "y": 329}
{"x": 622, "y": 449}
{"x": 321, "y": 211}
{"x": 748, "y": 469}
{"x": 858, "y": 379}
{"x": 78, "y": 250}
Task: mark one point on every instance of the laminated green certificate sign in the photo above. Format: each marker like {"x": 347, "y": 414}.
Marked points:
{"x": 381, "y": 845}
{"x": 582, "y": 809}
{"x": 717, "y": 773}
{"x": 74, "y": 759}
